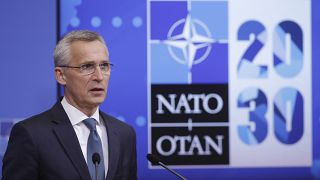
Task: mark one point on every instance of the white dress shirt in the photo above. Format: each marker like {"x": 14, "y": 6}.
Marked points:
{"x": 76, "y": 118}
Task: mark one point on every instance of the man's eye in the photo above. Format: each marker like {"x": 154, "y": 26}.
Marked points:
{"x": 104, "y": 65}
{"x": 87, "y": 66}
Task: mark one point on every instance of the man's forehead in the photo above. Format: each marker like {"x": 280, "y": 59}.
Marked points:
{"x": 90, "y": 51}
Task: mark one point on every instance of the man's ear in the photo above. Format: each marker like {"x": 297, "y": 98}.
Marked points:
{"x": 60, "y": 77}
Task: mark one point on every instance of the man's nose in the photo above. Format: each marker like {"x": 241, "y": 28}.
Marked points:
{"x": 98, "y": 73}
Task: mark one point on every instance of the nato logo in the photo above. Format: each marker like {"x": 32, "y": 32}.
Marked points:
{"x": 188, "y": 42}
{"x": 188, "y": 79}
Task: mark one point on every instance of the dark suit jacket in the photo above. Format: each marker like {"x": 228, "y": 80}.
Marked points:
{"x": 46, "y": 147}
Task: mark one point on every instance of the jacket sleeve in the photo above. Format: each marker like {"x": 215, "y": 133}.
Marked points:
{"x": 133, "y": 168}
{"x": 20, "y": 161}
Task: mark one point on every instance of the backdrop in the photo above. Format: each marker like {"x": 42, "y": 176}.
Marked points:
{"x": 217, "y": 89}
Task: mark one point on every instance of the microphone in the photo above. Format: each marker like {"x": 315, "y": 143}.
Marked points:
{"x": 96, "y": 161}
{"x": 155, "y": 160}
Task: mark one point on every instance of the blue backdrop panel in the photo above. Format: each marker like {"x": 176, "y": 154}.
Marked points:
{"x": 128, "y": 28}
{"x": 28, "y": 86}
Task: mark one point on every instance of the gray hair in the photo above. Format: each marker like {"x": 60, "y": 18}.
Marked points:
{"x": 61, "y": 53}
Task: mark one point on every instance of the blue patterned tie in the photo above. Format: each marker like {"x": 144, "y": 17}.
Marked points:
{"x": 94, "y": 146}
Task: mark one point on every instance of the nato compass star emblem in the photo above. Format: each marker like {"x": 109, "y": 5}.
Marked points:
{"x": 189, "y": 41}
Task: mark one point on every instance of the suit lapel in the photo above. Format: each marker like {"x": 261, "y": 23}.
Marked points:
{"x": 114, "y": 146}
{"x": 69, "y": 141}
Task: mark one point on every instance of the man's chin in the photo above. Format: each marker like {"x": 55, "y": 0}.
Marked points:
{"x": 97, "y": 100}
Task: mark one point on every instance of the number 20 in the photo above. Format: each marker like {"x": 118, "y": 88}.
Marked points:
{"x": 287, "y": 49}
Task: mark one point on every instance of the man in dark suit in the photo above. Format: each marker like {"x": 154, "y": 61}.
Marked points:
{"x": 59, "y": 144}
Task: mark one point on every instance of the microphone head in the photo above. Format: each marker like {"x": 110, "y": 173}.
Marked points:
{"x": 153, "y": 159}
{"x": 96, "y": 158}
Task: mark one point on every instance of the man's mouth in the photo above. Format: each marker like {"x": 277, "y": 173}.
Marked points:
{"x": 97, "y": 89}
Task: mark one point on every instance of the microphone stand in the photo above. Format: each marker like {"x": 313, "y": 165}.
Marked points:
{"x": 96, "y": 168}
{"x": 174, "y": 172}
{"x": 155, "y": 160}
{"x": 96, "y": 161}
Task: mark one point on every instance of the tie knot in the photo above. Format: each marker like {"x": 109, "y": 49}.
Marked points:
{"x": 90, "y": 123}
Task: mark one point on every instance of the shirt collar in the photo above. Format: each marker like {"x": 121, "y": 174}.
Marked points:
{"x": 75, "y": 115}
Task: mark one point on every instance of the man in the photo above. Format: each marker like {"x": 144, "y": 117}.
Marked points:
{"x": 59, "y": 144}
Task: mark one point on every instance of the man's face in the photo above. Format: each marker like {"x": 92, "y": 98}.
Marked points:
{"x": 81, "y": 90}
